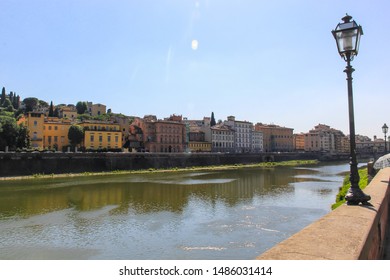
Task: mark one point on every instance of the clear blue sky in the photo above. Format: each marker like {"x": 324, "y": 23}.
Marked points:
{"x": 260, "y": 60}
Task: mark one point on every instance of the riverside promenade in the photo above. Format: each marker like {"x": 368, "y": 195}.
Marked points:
{"x": 350, "y": 232}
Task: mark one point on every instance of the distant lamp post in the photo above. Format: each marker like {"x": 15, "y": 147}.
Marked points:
{"x": 385, "y": 129}
{"x": 347, "y": 35}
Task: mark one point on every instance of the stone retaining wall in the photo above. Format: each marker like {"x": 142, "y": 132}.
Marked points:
{"x": 19, "y": 164}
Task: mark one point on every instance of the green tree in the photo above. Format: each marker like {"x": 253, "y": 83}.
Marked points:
{"x": 43, "y": 103}
{"x": 9, "y": 132}
{"x": 3, "y": 96}
{"x": 51, "y": 109}
{"x": 76, "y": 135}
{"x": 56, "y": 112}
{"x": 23, "y": 139}
{"x": 8, "y": 105}
{"x": 15, "y": 101}
{"x": 81, "y": 107}
{"x": 212, "y": 121}
{"x": 30, "y": 103}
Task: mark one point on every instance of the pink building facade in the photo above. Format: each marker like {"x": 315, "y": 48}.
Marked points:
{"x": 163, "y": 136}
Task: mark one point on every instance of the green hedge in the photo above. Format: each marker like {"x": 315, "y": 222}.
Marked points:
{"x": 340, "y": 198}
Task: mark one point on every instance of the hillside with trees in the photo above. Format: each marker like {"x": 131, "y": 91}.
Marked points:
{"x": 12, "y": 135}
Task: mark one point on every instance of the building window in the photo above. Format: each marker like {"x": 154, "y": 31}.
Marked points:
{"x": 100, "y": 138}
{"x": 35, "y": 123}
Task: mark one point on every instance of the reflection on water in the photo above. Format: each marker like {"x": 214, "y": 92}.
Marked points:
{"x": 191, "y": 215}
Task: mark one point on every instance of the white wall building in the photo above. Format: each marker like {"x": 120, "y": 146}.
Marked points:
{"x": 222, "y": 139}
{"x": 257, "y": 141}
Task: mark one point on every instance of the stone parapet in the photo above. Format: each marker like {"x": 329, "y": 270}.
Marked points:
{"x": 19, "y": 164}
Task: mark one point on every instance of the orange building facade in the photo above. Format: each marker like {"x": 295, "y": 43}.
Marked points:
{"x": 276, "y": 138}
{"x": 55, "y": 133}
{"x": 34, "y": 122}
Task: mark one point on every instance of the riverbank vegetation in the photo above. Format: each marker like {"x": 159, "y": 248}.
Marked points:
{"x": 167, "y": 170}
{"x": 340, "y": 198}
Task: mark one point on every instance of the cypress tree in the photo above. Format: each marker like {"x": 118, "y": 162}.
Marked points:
{"x": 16, "y": 101}
{"x": 212, "y": 121}
{"x": 51, "y": 109}
{"x": 3, "y": 95}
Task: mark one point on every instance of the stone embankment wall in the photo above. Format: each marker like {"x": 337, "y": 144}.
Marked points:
{"x": 18, "y": 164}
{"x": 347, "y": 233}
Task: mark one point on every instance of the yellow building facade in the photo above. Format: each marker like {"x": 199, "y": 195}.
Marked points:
{"x": 101, "y": 135}
{"x": 199, "y": 147}
{"x": 52, "y": 133}
{"x": 34, "y": 123}
{"x": 55, "y": 133}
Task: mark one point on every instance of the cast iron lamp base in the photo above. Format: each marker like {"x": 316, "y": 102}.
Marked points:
{"x": 355, "y": 196}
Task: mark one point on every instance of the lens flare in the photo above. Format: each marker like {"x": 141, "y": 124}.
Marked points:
{"x": 194, "y": 44}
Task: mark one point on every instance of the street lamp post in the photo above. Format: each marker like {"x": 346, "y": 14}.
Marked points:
{"x": 385, "y": 129}
{"x": 347, "y": 35}
{"x": 388, "y": 141}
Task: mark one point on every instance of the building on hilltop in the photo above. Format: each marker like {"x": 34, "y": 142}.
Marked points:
{"x": 96, "y": 109}
{"x": 67, "y": 112}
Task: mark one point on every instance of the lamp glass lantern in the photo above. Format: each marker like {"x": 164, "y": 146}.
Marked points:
{"x": 347, "y": 35}
{"x": 385, "y": 129}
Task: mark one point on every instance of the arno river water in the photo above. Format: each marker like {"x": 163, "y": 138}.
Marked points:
{"x": 185, "y": 215}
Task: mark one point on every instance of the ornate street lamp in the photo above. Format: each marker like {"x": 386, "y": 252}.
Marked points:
{"x": 385, "y": 129}
{"x": 347, "y": 35}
